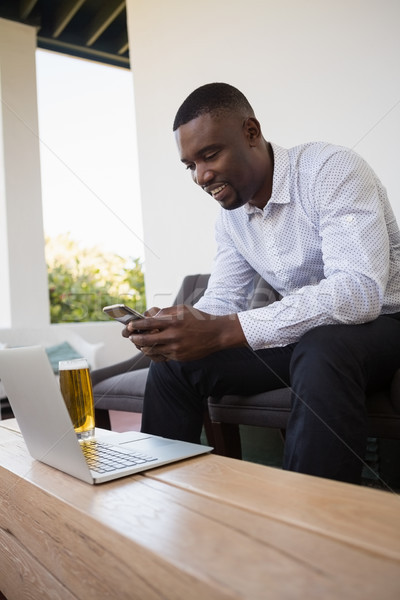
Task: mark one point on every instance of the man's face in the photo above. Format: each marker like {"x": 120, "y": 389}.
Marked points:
{"x": 221, "y": 158}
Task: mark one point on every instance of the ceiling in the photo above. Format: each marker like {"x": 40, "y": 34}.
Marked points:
{"x": 91, "y": 29}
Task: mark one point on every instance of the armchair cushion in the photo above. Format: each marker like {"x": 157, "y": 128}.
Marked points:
{"x": 124, "y": 391}
{"x": 59, "y": 352}
{"x": 121, "y": 386}
{"x": 268, "y": 409}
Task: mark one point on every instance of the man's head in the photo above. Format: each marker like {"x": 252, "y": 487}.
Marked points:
{"x": 220, "y": 142}
{"x": 214, "y": 98}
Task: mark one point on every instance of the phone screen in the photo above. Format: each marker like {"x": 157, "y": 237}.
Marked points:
{"x": 122, "y": 313}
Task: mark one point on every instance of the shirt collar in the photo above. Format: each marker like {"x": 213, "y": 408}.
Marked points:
{"x": 280, "y": 181}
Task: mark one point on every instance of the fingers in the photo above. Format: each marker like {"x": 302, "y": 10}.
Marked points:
{"x": 131, "y": 327}
{"x": 125, "y": 332}
{"x": 152, "y": 312}
{"x": 148, "y": 324}
{"x": 152, "y": 352}
{"x": 136, "y": 324}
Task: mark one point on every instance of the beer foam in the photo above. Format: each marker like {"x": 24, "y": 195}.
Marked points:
{"x": 73, "y": 364}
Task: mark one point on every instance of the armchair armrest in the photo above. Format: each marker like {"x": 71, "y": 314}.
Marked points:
{"x": 138, "y": 361}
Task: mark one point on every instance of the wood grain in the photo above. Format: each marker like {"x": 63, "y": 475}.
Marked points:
{"x": 356, "y": 515}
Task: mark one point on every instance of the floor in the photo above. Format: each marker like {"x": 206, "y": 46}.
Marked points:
{"x": 124, "y": 421}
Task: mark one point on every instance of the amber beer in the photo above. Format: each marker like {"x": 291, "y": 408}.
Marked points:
{"x": 76, "y": 389}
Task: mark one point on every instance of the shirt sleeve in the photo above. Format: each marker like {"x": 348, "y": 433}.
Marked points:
{"x": 231, "y": 283}
{"x": 350, "y": 219}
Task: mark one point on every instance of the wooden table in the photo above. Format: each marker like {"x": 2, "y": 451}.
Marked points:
{"x": 205, "y": 528}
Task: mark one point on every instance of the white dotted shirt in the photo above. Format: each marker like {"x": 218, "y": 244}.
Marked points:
{"x": 327, "y": 241}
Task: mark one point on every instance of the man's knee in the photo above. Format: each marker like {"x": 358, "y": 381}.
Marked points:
{"x": 326, "y": 355}
{"x": 176, "y": 375}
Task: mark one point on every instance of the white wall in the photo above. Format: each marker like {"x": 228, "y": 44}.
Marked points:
{"x": 313, "y": 70}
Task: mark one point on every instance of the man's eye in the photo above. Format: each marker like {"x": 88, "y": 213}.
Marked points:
{"x": 210, "y": 156}
{"x": 189, "y": 167}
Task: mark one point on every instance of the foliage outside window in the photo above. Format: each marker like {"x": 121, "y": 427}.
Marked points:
{"x": 83, "y": 280}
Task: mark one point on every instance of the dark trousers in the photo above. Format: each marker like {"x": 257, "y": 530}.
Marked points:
{"x": 329, "y": 371}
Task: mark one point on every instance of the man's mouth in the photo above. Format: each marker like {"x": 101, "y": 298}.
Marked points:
{"x": 214, "y": 193}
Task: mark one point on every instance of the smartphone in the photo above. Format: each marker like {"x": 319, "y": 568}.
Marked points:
{"x": 122, "y": 313}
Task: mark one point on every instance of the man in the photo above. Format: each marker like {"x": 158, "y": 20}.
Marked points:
{"x": 314, "y": 221}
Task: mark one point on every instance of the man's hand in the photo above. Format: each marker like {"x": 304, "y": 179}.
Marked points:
{"x": 184, "y": 333}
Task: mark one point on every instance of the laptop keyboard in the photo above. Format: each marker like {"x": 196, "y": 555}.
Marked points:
{"x": 103, "y": 458}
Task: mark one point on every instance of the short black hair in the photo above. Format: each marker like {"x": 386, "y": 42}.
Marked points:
{"x": 212, "y": 98}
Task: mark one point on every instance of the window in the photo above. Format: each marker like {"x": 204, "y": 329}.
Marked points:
{"x": 90, "y": 183}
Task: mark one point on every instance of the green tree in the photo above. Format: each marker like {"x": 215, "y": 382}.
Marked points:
{"x": 83, "y": 280}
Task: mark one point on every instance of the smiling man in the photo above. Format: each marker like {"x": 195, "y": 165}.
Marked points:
{"x": 315, "y": 222}
{"x": 232, "y": 172}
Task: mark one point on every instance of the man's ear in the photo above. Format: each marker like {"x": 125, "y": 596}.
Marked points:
{"x": 252, "y": 130}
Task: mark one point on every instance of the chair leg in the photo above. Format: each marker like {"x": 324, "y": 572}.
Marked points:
{"x": 102, "y": 418}
{"x": 5, "y": 410}
{"x": 227, "y": 439}
{"x": 208, "y": 428}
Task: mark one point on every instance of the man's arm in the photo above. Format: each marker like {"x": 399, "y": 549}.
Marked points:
{"x": 350, "y": 205}
{"x": 186, "y": 333}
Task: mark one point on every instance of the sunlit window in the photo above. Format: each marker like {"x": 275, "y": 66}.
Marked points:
{"x": 90, "y": 185}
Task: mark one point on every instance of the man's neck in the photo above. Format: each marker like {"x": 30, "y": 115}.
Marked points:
{"x": 265, "y": 192}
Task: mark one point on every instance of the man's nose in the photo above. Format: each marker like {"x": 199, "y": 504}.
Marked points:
{"x": 202, "y": 175}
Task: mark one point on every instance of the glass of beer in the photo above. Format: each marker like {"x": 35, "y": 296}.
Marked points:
{"x": 76, "y": 389}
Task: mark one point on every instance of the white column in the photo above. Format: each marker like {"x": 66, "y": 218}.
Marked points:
{"x": 23, "y": 277}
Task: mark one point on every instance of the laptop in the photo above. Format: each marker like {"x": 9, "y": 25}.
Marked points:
{"x": 44, "y": 421}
